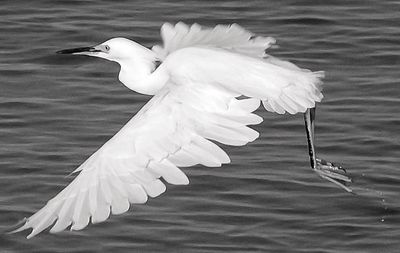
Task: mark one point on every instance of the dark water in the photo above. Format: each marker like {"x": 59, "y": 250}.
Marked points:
{"x": 55, "y": 111}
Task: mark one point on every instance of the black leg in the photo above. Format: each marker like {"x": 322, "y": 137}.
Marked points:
{"x": 309, "y": 118}
{"x": 325, "y": 169}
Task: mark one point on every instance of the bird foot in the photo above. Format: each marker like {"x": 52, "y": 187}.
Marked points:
{"x": 333, "y": 173}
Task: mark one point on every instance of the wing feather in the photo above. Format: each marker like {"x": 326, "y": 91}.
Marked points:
{"x": 233, "y": 37}
{"x": 281, "y": 87}
{"x": 152, "y": 145}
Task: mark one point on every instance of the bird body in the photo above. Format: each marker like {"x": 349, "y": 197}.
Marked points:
{"x": 197, "y": 100}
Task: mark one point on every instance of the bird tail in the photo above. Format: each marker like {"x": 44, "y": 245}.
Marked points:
{"x": 299, "y": 95}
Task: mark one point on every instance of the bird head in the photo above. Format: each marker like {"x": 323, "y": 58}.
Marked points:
{"x": 115, "y": 49}
{"x": 137, "y": 62}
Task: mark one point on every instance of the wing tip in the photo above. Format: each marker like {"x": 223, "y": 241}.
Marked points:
{"x": 20, "y": 226}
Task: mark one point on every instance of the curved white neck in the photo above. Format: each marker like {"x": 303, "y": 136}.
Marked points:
{"x": 138, "y": 73}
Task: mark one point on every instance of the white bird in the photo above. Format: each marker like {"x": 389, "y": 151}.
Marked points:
{"x": 198, "y": 98}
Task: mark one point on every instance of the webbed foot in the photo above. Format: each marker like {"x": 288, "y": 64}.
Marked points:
{"x": 333, "y": 173}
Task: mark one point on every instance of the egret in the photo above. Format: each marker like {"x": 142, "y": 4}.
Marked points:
{"x": 206, "y": 84}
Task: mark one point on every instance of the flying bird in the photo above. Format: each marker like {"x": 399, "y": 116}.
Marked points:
{"x": 206, "y": 84}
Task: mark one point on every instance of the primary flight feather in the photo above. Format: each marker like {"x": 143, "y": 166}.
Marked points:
{"x": 196, "y": 90}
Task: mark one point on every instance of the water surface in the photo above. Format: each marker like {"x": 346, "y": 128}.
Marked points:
{"x": 55, "y": 111}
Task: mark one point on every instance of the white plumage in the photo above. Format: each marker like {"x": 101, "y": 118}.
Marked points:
{"x": 196, "y": 102}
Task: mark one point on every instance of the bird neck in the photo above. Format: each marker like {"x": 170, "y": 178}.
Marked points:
{"x": 140, "y": 73}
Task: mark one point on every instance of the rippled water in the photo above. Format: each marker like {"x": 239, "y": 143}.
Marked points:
{"x": 55, "y": 111}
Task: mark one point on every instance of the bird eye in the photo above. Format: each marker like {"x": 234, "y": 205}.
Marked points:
{"x": 107, "y": 47}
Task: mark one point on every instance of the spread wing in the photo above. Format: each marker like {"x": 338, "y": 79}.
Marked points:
{"x": 232, "y": 37}
{"x": 173, "y": 130}
{"x": 280, "y": 85}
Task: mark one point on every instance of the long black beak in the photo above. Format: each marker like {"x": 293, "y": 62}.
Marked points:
{"x": 79, "y": 50}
